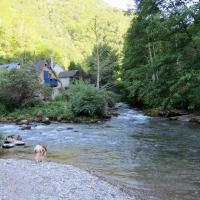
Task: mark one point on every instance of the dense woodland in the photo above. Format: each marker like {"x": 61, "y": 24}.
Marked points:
{"x": 34, "y": 29}
{"x": 161, "y": 66}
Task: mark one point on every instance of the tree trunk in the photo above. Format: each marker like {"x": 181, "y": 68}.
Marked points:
{"x": 98, "y": 68}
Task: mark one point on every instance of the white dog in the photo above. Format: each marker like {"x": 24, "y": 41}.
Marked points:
{"x": 40, "y": 151}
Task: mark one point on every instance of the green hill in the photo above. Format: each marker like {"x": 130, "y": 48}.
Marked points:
{"x": 32, "y": 29}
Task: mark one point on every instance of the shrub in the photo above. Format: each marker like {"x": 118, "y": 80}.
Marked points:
{"x": 87, "y": 100}
{"x": 3, "y": 110}
{"x": 51, "y": 109}
{"x": 19, "y": 88}
{"x": 1, "y": 137}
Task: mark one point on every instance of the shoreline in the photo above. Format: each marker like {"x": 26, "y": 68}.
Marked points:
{"x": 48, "y": 178}
{"x": 173, "y": 115}
{"x": 28, "y": 119}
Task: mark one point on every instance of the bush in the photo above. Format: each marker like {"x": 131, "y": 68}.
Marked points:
{"x": 1, "y": 137}
{"x": 50, "y": 109}
{"x": 3, "y": 110}
{"x": 87, "y": 100}
{"x": 19, "y": 88}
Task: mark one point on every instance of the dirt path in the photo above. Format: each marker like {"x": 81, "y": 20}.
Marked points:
{"x": 27, "y": 180}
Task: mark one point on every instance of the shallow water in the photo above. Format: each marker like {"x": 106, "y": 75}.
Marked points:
{"x": 156, "y": 158}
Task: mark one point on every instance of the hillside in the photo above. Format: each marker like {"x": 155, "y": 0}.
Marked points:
{"x": 34, "y": 29}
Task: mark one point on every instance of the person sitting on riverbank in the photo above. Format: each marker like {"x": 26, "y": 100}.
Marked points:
{"x": 40, "y": 151}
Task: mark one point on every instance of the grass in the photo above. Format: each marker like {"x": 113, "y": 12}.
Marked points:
{"x": 54, "y": 110}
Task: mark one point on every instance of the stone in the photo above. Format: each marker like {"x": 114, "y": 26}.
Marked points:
{"x": 175, "y": 113}
{"x": 23, "y": 122}
{"x": 11, "y": 138}
{"x": 19, "y": 143}
{"x": 26, "y": 127}
{"x": 8, "y": 145}
{"x": 46, "y": 121}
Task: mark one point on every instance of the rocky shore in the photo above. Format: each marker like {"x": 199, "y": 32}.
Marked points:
{"x": 24, "y": 179}
{"x": 25, "y": 120}
{"x": 178, "y": 115}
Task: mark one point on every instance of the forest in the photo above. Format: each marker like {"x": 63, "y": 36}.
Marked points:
{"x": 161, "y": 64}
{"x": 34, "y": 29}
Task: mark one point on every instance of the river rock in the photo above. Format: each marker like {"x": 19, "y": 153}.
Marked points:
{"x": 8, "y": 145}
{"x": 195, "y": 119}
{"x": 19, "y": 143}
{"x": 26, "y": 127}
{"x": 46, "y": 121}
{"x": 175, "y": 113}
{"x": 23, "y": 122}
{"x": 59, "y": 119}
{"x": 11, "y": 138}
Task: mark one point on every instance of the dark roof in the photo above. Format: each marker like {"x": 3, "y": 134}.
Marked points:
{"x": 68, "y": 74}
{"x": 10, "y": 65}
{"x": 40, "y": 64}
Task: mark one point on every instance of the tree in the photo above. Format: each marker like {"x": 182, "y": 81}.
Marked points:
{"x": 161, "y": 55}
{"x": 108, "y": 65}
{"x": 74, "y": 66}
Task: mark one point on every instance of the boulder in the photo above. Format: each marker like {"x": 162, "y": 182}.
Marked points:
{"x": 26, "y": 127}
{"x": 11, "y": 138}
{"x": 23, "y": 122}
{"x": 175, "y": 112}
{"x": 46, "y": 121}
{"x": 195, "y": 119}
{"x": 8, "y": 145}
{"x": 19, "y": 143}
{"x": 59, "y": 119}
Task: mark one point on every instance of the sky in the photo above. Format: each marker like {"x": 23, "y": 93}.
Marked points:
{"x": 119, "y": 3}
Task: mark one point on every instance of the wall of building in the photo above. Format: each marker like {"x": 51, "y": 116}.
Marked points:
{"x": 65, "y": 82}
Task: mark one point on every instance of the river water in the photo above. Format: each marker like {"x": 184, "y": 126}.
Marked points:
{"x": 153, "y": 158}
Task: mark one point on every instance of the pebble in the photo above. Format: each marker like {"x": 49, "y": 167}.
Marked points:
{"x": 25, "y": 179}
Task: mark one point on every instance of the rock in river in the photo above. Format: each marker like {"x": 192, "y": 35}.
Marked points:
{"x": 26, "y": 127}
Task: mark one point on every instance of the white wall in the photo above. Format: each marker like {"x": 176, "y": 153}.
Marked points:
{"x": 57, "y": 68}
{"x": 65, "y": 82}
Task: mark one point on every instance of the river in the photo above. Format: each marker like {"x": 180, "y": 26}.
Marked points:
{"x": 153, "y": 158}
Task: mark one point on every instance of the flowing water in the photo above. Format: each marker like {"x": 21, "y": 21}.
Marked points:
{"x": 154, "y": 158}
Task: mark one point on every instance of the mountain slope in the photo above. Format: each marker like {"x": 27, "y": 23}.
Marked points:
{"x": 33, "y": 29}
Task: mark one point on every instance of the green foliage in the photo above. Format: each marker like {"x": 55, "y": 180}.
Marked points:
{"x": 109, "y": 64}
{"x": 74, "y": 66}
{"x": 3, "y": 110}
{"x": 1, "y": 137}
{"x": 87, "y": 100}
{"x": 162, "y": 55}
{"x": 19, "y": 88}
{"x": 50, "y": 109}
{"x": 31, "y": 30}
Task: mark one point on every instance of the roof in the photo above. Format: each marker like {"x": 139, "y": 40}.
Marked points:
{"x": 68, "y": 74}
{"x": 10, "y": 65}
{"x": 40, "y": 64}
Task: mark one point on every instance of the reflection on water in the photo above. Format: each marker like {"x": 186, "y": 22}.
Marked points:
{"x": 155, "y": 157}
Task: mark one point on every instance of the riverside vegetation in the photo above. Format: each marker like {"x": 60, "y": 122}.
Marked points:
{"x": 23, "y": 97}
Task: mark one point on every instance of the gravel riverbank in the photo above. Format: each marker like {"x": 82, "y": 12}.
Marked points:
{"x": 24, "y": 179}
